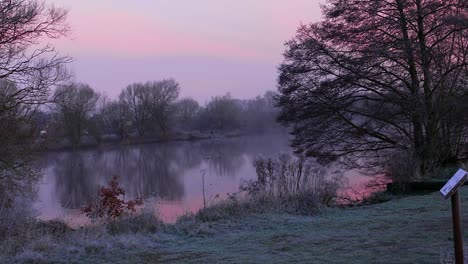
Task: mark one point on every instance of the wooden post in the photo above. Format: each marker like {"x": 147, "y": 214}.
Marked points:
{"x": 451, "y": 189}
{"x": 457, "y": 228}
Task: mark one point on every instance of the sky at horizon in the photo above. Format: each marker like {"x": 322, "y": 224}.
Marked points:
{"x": 210, "y": 47}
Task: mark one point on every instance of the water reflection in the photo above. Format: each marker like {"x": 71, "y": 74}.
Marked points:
{"x": 74, "y": 179}
{"x": 169, "y": 172}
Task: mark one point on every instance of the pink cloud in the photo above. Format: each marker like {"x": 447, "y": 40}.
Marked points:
{"x": 127, "y": 34}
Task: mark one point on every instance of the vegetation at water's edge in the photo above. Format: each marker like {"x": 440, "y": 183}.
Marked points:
{"x": 414, "y": 229}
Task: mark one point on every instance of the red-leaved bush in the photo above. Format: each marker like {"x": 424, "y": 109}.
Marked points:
{"x": 109, "y": 205}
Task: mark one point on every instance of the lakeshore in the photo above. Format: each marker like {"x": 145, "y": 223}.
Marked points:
{"x": 413, "y": 229}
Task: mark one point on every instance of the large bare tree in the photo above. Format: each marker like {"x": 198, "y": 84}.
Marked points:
{"x": 375, "y": 78}
{"x": 28, "y": 71}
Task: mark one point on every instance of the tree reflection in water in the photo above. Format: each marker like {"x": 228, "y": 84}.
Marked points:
{"x": 169, "y": 171}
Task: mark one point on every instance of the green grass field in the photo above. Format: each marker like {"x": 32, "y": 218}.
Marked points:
{"x": 412, "y": 229}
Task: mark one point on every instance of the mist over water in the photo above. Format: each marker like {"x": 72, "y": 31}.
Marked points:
{"x": 168, "y": 175}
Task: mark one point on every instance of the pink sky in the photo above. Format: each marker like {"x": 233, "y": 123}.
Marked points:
{"x": 209, "y": 46}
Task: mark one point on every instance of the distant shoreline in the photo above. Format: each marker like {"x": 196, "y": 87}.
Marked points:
{"x": 108, "y": 143}
{"x": 91, "y": 144}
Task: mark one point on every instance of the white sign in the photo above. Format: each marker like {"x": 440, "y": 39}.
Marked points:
{"x": 452, "y": 185}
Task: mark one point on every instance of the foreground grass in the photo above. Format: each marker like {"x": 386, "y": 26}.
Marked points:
{"x": 406, "y": 230}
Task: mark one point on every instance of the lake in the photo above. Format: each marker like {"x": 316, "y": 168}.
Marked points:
{"x": 168, "y": 175}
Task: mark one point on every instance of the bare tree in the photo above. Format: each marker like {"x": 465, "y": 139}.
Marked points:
{"x": 163, "y": 95}
{"x": 379, "y": 77}
{"x": 221, "y": 113}
{"x": 186, "y": 111}
{"x": 75, "y": 104}
{"x": 134, "y": 98}
{"x": 116, "y": 118}
{"x": 27, "y": 73}
{"x": 151, "y": 104}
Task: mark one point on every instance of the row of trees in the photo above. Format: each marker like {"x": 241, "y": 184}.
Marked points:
{"x": 152, "y": 109}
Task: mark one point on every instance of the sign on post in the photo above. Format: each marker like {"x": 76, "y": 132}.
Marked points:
{"x": 453, "y": 184}
{"x": 450, "y": 189}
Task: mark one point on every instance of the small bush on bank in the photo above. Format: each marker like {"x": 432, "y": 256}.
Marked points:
{"x": 108, "y": 205}
{"x": 283, "y": 185}
{"x": 297, "y": 184}
{"x": 288, "y": 176}
{"x": 119, "y": 216}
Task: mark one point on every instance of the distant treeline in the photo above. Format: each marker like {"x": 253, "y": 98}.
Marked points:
{"x": 151, "y": 110}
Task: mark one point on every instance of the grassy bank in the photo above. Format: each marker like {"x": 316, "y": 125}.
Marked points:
{"x": 413, "y": 229}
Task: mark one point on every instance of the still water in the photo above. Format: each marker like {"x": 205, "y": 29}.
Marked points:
{"x": 170, "y": 173}
{"x": 167, "y": 175}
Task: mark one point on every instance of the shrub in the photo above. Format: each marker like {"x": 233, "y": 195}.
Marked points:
{"x": 283, "y": 185}
{"x": 287, "y": 177}
{"x": 109, "y": 205}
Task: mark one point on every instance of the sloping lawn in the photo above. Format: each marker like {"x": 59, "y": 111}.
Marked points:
{"x": 406, "y": 230}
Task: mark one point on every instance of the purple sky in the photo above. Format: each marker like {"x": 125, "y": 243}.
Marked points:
{"x": 209, "y": 46}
